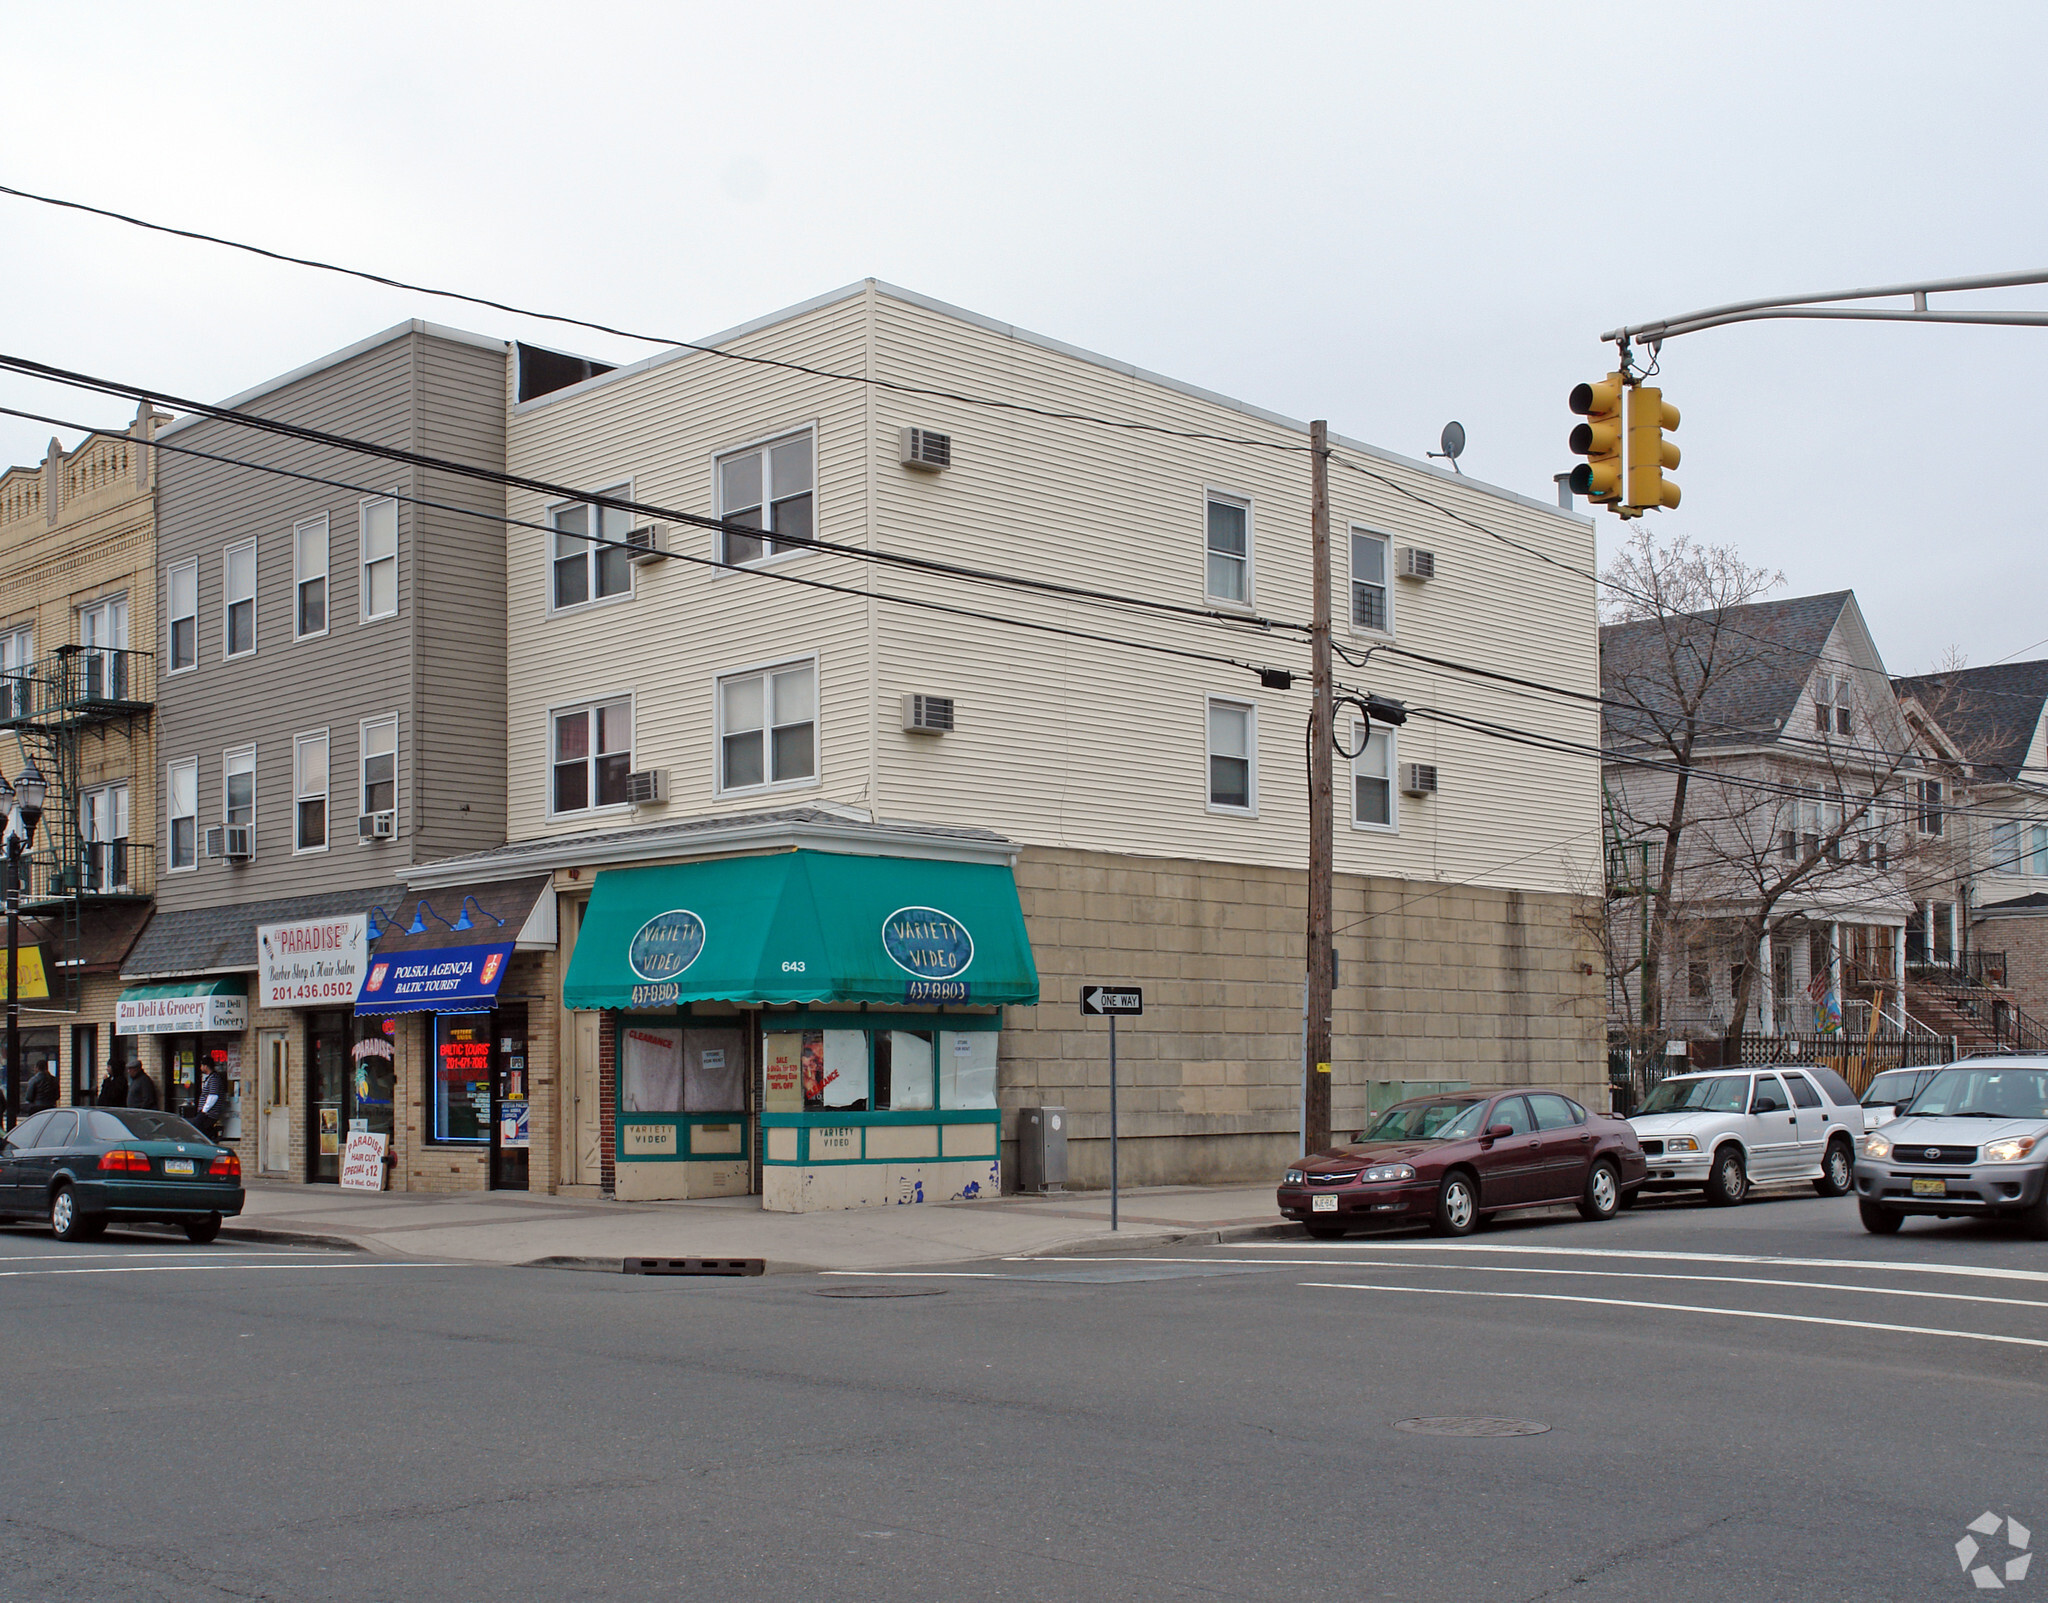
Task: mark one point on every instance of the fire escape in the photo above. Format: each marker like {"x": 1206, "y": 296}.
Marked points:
{"x": 64, "y": 709}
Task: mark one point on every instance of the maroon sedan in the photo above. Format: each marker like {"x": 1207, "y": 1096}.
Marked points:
{"x": 1455, "y": 1159}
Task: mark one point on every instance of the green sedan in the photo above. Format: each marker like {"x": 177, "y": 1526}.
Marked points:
{"x": 80, "y": 1168}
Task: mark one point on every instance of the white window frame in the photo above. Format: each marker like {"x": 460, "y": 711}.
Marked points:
{"x": 1232, "y": 498}
{"x": 1251, "y": 735}
{"x": 173, "y": 615}
{"x": 589, "y": 704}
{"x": 763, "y": 671}
{"x": 1352, "y": 581}
{"x": 228, "y": 602}
{"x": 227, "y": 761}
{"x": 171, "y": 818}
{"x": 125, "y": 811}
{"x": 1361, "y": 737}
{"x": 763, "y": 444}
{"x": 18, "y": 661}
{"x": 364, "y": 561}
{"x": 620, "y": 492}
{"x": 301, "y": 794}
{"x": 363, "y": 756}
{"x": 301, "y": 578}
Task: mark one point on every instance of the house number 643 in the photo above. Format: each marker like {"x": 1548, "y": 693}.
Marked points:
{"x": 796, "y": 967}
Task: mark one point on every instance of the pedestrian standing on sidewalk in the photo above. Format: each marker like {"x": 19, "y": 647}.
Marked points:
{"x": 40, "y": 1094}
{"x": 141, "y": 1088}
{"x": 113, "y": 1092}
{"x": 213, "y": 1103}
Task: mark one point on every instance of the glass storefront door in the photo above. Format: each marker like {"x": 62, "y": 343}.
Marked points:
{"x": 327, "y": 1088}
{"x": 511, "y": 1125}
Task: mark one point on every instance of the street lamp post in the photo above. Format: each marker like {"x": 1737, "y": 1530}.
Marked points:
{"x": 24, "y": 803}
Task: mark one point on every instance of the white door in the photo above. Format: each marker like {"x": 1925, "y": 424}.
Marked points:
{"x": 274, "y": 1094}
{"x": 1815, "y": 1122}
{"x": 1773, "y": 1130}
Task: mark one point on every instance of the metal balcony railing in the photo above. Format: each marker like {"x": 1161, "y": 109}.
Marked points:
{"x": 113, "y": 870}
{"x": 78, "y": 684}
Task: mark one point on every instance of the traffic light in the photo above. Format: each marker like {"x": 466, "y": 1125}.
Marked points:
{"x": 1598, "y": 439}
{"x": 1650, "y": 418}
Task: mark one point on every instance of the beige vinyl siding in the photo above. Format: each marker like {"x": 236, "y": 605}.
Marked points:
{"x": 1060, "y": 742}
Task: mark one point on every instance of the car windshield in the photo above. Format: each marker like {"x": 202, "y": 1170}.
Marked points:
{"x": 1997, "y": 1093}
{"x": 146, "y": 1124}
{"x": 1894, "y": 1085}
{"x": 1424, "y": 1121}
{"x": 1722, "y": 1093}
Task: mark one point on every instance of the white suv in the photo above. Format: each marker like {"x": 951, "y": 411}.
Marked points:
{"x": 1723, "y": 1130}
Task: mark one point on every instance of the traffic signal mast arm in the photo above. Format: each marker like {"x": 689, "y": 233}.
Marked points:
{"x": 1819, "y": 307}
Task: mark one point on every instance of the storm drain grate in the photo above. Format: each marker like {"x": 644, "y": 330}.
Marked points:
{"x": 881, "y": 1291}
{"x": 1470, "y": 1425}
{"x": 694, "y": 1266}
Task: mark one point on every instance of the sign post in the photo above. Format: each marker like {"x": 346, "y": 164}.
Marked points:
{"x": 1112, "y": 1001}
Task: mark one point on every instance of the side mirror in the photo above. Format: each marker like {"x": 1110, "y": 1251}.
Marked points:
{"x": 1496, "y": 1131}
{"x": 1899, "y": 1108}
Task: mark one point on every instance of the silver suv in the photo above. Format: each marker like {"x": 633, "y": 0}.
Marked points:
{"x": 1974, "y": 1142}
{"x": 1724, "y": 1130}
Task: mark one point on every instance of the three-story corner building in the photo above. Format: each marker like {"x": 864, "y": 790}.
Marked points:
{"x": 331, "y": 698}
{"x": 835, "y": 842}
{"x": 77, "y": 689}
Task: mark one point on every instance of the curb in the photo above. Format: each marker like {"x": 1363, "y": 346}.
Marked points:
{"x": 291, "y": 1238}
{"x": 1091, "y": 1246}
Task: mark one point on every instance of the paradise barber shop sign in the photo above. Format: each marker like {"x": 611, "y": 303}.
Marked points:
{"x": 934, "y": 948}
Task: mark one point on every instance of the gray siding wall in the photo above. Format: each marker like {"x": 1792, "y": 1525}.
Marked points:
{"x": 439, "y": 664}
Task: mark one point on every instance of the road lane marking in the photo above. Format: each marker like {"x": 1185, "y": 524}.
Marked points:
{"x": 1977, "y": 1271}
{"x": 198, "y": 1268}
{"x": 186, "y": 1253}
{"x": 1602, "y": 1274}
{"x": 1684, "y": 1308}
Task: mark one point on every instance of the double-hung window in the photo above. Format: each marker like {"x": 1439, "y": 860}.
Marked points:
{"x": 771, "y": 488}
{"x": 17, "y": 660}
{"x": 593, "y": 754}
{"x": 1927, "y": 810}
{"x": 379, "y": 520}
{"x": 181, "y": 594}
{"x": 182, "y": 803}
{"x": 309, "y": 793}
{"x": 768, "y": 727}
{"x": 103, "y": 632}
{"x": 1369, "y": 602}
{"x": 238, "y": 789}
{"x": 1831, "y": 706}
{"x": 583, "y": 570}
{"x": 309, "y": 577}
{"x": 380, "y": 766}
{"x": 103, "y": 821}
{"x": 238, "y": 603}
{"x": 1372, "y": 777}
{"x": 2006, "y": 851}
{"x": 1233, "y": 750}
{"x": 1229, "y": 535}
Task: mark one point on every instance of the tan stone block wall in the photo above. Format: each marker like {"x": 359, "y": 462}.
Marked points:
{"x": 1436, "y": 983}
{"x": 2025, "y": 944}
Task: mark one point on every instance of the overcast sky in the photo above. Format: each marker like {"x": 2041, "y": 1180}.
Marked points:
{"x": 1389, "y": 216}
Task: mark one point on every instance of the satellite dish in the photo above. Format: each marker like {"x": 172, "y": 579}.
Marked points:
{"x": 1453, "y": 443}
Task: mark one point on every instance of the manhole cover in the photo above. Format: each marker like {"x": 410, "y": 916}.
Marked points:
{"x": 881, "y": 1291}
{"x": 1463, "y": 1425}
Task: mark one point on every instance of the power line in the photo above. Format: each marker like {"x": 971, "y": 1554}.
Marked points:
{"x": 1266, "y": 675}
{"x": 891, "y": 385}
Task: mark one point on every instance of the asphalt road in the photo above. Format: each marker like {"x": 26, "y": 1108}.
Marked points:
{"x": 1760, "y": 1403}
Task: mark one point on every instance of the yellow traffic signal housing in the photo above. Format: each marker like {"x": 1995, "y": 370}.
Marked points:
{"x": 1650, "y": 455}
{"x": 1598, "y": 439}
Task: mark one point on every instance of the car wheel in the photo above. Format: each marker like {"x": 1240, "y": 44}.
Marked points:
{"x": 201, "y": 1231}
{"x": 1880, "y": 1221}
{"x": 1837, "y": 1171}
{"x": 1603, "y": 1193}
{"x": 69, "y": 1222}
{"x": 1729, "y": 1183}
{"x": 1457, "y": 1207}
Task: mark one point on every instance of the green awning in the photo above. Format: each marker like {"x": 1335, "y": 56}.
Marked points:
{"x": 195, "y": 1006}
{"x": 802, "y": 927}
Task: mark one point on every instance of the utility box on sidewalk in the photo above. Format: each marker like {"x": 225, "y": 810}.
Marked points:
{"x": 1041, "y": 1149}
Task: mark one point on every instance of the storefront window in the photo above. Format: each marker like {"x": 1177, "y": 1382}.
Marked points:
{"x": 903, "y": 1071}
{"x": 372, "y": 1080}
{"x": 462, "y": 1078}
{"x": 835, "y": 1071}
{"x": 689, "y": 1070}
{"x": 967, "y": 1068}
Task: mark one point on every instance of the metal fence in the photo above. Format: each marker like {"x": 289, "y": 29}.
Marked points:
{"x": 1858, "y": 1059}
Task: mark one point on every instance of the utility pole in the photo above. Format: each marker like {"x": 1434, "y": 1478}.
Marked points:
{"x": 1321, "y": 823}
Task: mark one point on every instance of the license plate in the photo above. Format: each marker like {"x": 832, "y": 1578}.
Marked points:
{"x": 1930, "y": 1188}
{"x": 1323, "y": 1204}
{"x": 177, "y": 1166}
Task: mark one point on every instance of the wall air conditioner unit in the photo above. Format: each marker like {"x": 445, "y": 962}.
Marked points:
{"x": 649, "y": 542}
{"x": 647, "y": 786}
{"x": 377, "y": 826}
{"x": 922, "y": 448}
{"x": 1411, "y": 562}
{"x": 928, "y": 715}
{"x": 1418, "y": 779}
{"x": 238, "y": 842}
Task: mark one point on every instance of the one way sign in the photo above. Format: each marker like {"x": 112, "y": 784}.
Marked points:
{"x": 1097, "y": 1000}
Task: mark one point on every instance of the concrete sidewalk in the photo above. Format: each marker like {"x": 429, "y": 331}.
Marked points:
{"x": 518, "y": 1227}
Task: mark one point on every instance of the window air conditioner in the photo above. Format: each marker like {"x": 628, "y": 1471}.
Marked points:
{"x": 377, "y": 826}
{"x": 646, "y": 786}
{"x": 928, "y": 715}
{"x": 924, "y": 449}
{"x": 1418, "y": 779}
{"x": 649, "y": 542}
{"x": 1414, "y": 563}
{"x": 238, "y": 842}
